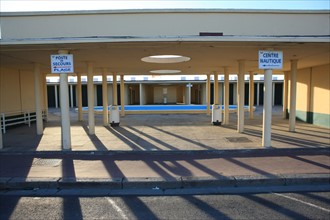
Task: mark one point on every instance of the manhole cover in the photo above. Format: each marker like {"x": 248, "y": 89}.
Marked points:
{"x": 238, "y": 139}
{"x": 46, "y": 162}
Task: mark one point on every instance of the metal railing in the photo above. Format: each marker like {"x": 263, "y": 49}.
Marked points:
{"x": 16, "y": 118}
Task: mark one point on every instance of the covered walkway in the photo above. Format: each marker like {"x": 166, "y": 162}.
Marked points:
{"x": 166, "y": 133}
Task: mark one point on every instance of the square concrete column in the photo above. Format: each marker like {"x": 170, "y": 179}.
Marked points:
{"x": 65, "y": 111}
{"x": 105, "y": 97}
{"x": 240, "y": 95}
{"x": 79, "y": 97}
{"x": 226, "y": 95}
{"x": 122, "y": 95}
{"x": 141, "y": 91}
{"x": 208, "y": 94}
{"x": 45, "y": 95}
{"x": 37, "y": 96}
{"x": 267, "y": 111}
{"x": 285, "y": 94}
{"x": 1, "y": 141}
{"x": 114, "y": 90}
{"x": 293, "y": 95}
{"x": 56, "y": 96}
{"x": 90, "y": 93}
{"x": 251, "y": 95}
{"x": 216, "y": 88}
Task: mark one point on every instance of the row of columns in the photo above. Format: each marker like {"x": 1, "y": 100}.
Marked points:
{"x": 267, "y": 112}
{"x": 268, "y": 97}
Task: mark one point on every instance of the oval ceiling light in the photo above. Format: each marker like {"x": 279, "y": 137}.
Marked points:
{"x": 165, "y": 71}
{"x": 165, "y": 59}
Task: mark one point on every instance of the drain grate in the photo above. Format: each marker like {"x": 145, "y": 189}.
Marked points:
{"x": 46, "y": 162}
{"x": 238, "y": 139}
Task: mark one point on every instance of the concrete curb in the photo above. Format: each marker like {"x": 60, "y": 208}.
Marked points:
{"x": 255, "y": 151}
{"x": 19, "y": 183}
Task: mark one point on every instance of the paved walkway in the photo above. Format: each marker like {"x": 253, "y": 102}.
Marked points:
{"x": 165, "y": 133}
{"x": 162, "y": 151}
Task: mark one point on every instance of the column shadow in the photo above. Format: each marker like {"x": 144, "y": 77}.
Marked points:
{"x": 183, "y": 138}
{"x": 210, "y": 211}
{"x": 275, "y": 207}
{"x": 154, "y": 139}
{"x": 95, "y": 140}
{"x": 71, "y": 204}
{"x": 138, "y": 208}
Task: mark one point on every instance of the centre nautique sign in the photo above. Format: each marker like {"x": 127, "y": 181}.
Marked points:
{"x": 270, "y": 59}
{"x": 62, "y": 63}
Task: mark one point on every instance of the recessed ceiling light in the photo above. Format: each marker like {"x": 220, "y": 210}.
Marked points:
{"x": 165, "y": 71}
{"x": 165, "y": 59}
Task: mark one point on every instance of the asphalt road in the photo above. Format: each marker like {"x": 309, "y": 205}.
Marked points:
{"x": 305, "y": 205}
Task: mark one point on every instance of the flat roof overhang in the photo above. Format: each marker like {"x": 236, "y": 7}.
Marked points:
{"x": 118, "y": 39}
{"x": 123, "y": 55}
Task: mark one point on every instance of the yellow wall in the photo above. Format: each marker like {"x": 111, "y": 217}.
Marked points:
{"x": 10, "y": 91}
{"x": 27, "y": 90}
{"x": 303, "y": 89}
{"x": 321, "y": 89}
{"x": 17, "y": 91}
{"x": 313, "y": 95}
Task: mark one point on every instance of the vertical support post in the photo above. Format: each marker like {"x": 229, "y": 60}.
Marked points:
{"x": 91, "y": 98}
{"x": 258, "y": 94}
{"x": 1, "y": 141}
{"x": 293, "y": 95}
{"x": 71, "y": 96}
{"x": 226, "y": 91}
{"x": 105, "y": 97}
{"x": 273, "y": 96}
{"x": 141, "y": 93}
{"x": 45, "y": 96}
{"x": 122, "y": 95}
{"x": 208, "y": 93}
{"x": 267, "y": 111}
{"x": 38, "y": 99}
{"x": 65, "y": 112}
{"x": 285, "y": 95}
{"x": 240, "y": 94}
{"x": 114, "y": 90}
{"x": 251, "y": 95}
{"x": 56, "y": 96}
{"x": 79, "y": 97}
{"x": 216, "y": 88}
{"x": 189, "y": 93}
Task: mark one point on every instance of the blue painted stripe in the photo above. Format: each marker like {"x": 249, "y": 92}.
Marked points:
{"x": 164, "y": 108}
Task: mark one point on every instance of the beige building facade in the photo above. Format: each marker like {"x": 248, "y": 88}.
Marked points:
{"x": 217, "y": 42}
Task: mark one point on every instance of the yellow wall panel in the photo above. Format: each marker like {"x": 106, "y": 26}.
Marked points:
{"x": 27, "y": 90}
{"x": 10, "y": 91}
{"x": 321, "y": 89}
{"x": 303, "y": 89}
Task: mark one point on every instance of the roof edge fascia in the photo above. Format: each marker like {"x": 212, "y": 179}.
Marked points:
{"x": 294, "y": 39}
{"x": 160, "y": 11}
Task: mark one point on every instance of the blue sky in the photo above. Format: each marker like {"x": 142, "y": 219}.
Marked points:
{"x": 60, "y": 5}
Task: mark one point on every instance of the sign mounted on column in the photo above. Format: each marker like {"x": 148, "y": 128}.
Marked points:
{"x": 62, "y": 63}
{"x": 270, "y": 59}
